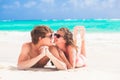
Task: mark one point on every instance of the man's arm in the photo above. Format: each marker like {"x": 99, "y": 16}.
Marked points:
{"x": 24, "y": 61}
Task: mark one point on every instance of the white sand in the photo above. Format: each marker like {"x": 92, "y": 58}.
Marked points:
{"x": 103, "y": 56}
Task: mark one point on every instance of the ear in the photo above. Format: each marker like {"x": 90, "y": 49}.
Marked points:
{"x": 40, "y": 38}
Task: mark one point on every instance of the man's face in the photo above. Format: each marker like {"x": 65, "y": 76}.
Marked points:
{"x": 48, "y": 39}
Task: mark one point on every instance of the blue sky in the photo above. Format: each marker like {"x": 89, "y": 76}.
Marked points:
{"x": 59, "y": 9}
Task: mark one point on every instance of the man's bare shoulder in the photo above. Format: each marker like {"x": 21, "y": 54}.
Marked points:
{"x": 26, "y": 46}
{"x": 24, "y": 55}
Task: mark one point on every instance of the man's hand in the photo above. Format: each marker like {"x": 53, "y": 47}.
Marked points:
{"x": 43, "y": 50}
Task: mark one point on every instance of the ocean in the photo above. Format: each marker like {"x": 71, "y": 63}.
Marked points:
{"x": 102, "y": 38}
{"x": 91, "y": 25}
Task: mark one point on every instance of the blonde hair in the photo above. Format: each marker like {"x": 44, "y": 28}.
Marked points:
{"x": 68, "y": 36}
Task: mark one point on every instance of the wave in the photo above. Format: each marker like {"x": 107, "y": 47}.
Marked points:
{"x": 91, "y": 25}
{"x": 6, "y": 20}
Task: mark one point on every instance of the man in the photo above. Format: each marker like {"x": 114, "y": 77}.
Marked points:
{"x": 36, "y": 53}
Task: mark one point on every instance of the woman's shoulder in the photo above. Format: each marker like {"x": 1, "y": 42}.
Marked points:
{"x": 70, "y": 48}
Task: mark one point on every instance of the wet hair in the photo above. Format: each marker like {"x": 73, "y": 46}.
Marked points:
{"x": 68, "y": 36}
{"x": 39, "y": 31}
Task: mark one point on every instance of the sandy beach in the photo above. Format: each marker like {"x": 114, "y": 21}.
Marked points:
{"x": 103, "y": 56}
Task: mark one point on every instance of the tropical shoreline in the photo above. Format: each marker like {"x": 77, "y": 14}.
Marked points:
{"x": 102, "y": 58}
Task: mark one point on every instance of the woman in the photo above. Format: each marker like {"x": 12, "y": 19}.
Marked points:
{"x": 66, "y": 44}
{"x": 36, "y": 53}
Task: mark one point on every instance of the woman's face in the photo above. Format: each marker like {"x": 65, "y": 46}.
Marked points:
{"x": 59, "y": 38}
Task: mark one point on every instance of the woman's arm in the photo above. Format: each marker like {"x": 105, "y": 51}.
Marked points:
{"x": 55, "y": 58}
{"x": 72, "y": 55}
{"x": 62, "y": 55}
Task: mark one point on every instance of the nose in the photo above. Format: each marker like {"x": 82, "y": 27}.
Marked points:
{"x": 52, "y": 39}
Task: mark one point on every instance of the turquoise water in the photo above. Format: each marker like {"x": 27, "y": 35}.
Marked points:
{"x": 91, "y": 25}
